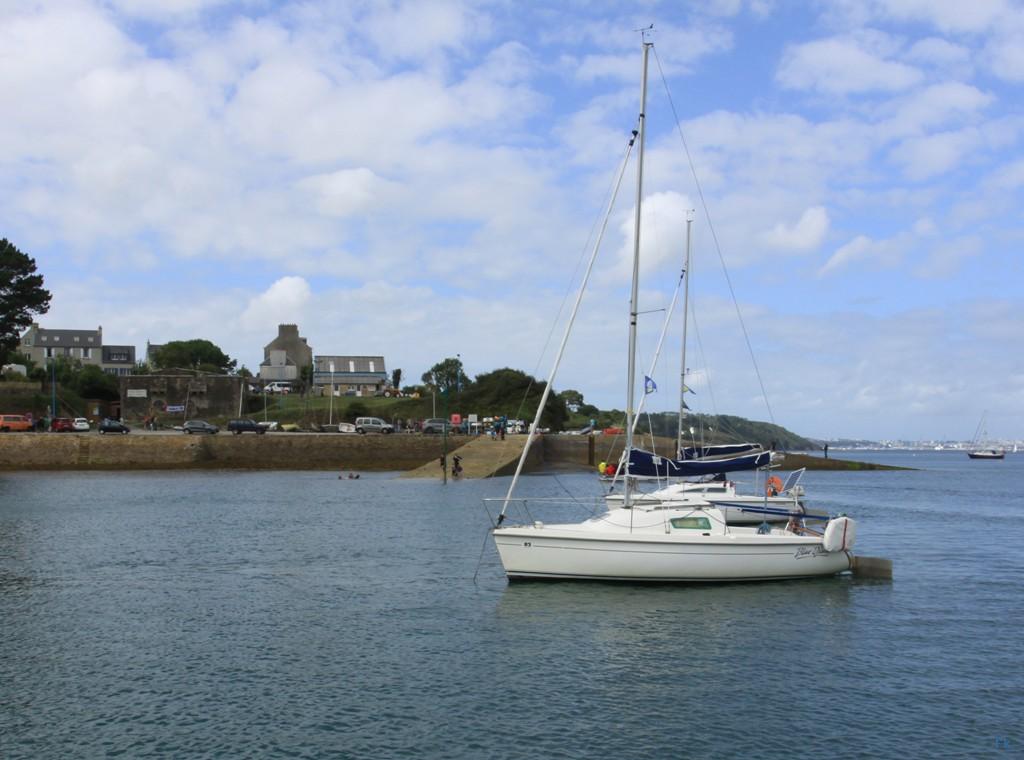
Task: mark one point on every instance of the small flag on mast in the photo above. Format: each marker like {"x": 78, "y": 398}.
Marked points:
{"x": 649, "y": 385}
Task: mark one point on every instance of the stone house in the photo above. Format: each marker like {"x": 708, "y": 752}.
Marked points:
{"x": 85, "y": 346}
{"x": 286, "y": 355}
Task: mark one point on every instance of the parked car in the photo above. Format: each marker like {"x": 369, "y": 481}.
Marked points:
{"x": 277, "y": 386}
{"x": 438, "y": 426}
{"x": 245, "y": 426}
{"x": 12, "y": 422}
{"x": 112, "y": 426}
{"x": 62, "y": 425}
{"x": 199, "y": 426}
{"x": 81, "y": 425}
{"x": 373, "y": 425}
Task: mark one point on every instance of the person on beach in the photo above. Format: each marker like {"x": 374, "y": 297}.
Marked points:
{"x": 456, "y": 466}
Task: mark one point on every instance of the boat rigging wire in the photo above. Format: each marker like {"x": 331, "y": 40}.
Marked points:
{"x": 714, "y": 234}
{"x": 568, "y": 327}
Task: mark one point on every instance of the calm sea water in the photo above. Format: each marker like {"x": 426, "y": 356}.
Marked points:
{"x": 296, "y": 615}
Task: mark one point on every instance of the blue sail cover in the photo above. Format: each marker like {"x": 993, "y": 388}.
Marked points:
{"x": 719, "y": 450}
{"x": 644, "y": 464}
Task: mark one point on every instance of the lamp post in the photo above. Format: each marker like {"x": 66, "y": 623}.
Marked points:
{"x": 330, "y": 417}
{"x": 53, "y": 387}
{"x": 444, "y": 435}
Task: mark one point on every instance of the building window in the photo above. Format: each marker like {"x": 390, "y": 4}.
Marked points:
{"x": 351, "y": 366}
{"x": 90, "y": 340}
{"x": 77, "y": 339}
{"x": 49, "y": 352}
{"x": 86, "y": 353}
{"x": 372, "y": 368}
{"x": 43, "y": 338}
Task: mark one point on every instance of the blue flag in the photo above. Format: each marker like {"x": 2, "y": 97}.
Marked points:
{"x": 649, "y": 385}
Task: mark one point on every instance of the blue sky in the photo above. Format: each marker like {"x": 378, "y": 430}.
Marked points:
{"x": 420, "y": 179}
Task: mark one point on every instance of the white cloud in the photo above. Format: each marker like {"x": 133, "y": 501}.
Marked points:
{"x": 865, "y": 251}
{"x": 938, "y": 52}
{"x": 843, "y": 65}
{"x": 946, "y": 15}
{"x": 344, "y": 192}
{"x": 945, "y": 258}
{"x": 416, "y": 30}
{"x": 807, "y": 234}
{"x": 662, "y": 237}
{"x": 1005, "y": 56}
{"x": 284, "y": 301}
{"x": 934, "y": 106}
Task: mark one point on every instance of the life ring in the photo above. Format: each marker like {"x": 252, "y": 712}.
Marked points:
{"x": 774, "y": 485}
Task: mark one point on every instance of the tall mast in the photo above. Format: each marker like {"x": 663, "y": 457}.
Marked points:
{"x": 686, "y": 317}
{"x": 634, "y": 295}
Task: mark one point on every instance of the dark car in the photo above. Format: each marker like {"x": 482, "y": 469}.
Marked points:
{"x": 112, "y": 426}
{"x": 245, "y": 426}
{"x": 62, "y": 425}
{"x": 199, "y": 426}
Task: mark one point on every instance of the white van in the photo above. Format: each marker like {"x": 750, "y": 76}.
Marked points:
{"x": 278, "y": 386}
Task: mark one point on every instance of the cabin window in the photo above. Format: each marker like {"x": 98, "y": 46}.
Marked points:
{"x": 691, "y": 523}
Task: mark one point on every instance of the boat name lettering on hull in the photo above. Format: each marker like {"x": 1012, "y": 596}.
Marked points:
{"x": 809, "y": 551}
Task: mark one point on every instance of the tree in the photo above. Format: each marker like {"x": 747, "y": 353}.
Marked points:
{"x": 21, "y": 295}
{"x": 194, "y": 354}
{"x": 396, "y": 378}
{"x": 446, "y": 375}
{"x": 92, "y": 382}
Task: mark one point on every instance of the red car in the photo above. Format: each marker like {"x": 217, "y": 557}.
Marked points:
{"x": 62, "y": 425}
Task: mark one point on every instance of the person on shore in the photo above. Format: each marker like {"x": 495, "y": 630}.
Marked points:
{"x": 444, "y": 465}
{"x": 826, "y": 451}
{"x": 456, "y": 466}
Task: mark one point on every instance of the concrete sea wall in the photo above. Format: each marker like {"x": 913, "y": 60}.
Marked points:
{"x": 281, "y": 451}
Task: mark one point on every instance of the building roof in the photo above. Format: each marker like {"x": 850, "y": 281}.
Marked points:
{"x": 44, "y": 337}
{"x": 348, "y": 364}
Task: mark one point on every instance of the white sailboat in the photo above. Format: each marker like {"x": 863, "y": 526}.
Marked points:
{"x": 684, "y": 540}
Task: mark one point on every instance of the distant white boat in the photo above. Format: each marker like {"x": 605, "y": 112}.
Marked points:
{"x": 778, "y": 504}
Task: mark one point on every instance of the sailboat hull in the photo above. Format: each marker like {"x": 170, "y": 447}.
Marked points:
{"x": 986, "y": 454}
{"x": 541, "y": 553}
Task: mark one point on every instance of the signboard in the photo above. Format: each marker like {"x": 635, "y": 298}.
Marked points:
{"x": 137, "y": 393}
{"x": 472, "y": 418}
{"x": 178, "y": 408}
{"x": 456, "y": 419}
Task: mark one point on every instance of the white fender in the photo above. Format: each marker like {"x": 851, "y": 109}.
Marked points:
{"x": 839, "y": 535}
